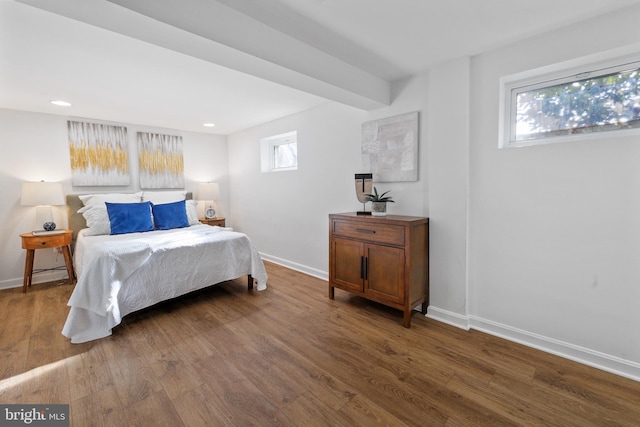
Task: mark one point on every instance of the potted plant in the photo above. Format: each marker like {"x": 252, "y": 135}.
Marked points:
{"x": 379, "y": 202}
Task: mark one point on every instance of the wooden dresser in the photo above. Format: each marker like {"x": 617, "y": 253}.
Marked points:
{"x": 384, "y": 259}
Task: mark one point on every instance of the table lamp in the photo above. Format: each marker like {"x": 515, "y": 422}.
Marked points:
{"x": 43, "y": 195}
{"x": 209, "y": 191}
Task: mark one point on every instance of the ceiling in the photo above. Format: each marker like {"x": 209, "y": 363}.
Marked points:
{"x": 238, "y": 63}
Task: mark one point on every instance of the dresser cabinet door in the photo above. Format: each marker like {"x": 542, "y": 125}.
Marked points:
{"x": 347, "y": 264}
{"x": 384, "y": 278}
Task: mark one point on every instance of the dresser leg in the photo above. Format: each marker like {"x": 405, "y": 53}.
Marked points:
{"x": 406, "y": 320}
{"x": 331, "y": 292}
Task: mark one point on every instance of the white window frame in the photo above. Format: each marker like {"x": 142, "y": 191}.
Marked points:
{"x": 579, "y": 69}
{"x": 268, "y": 148}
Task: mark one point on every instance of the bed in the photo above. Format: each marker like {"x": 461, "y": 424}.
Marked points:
{"x": 118, "y": 274}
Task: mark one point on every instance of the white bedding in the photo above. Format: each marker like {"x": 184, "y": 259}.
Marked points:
{"x": 120, "y": 274}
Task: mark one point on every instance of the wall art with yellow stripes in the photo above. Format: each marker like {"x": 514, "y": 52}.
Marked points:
{"x": 160, "y": 161}
{"x": 99, "y": 154}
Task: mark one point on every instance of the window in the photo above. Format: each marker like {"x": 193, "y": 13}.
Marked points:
{"x": 579, "y": 103}
{"x": 279, "y": 152}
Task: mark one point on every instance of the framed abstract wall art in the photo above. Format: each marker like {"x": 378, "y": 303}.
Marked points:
{"x": 160, "y": 161}
{"x": 99, "y": 154}
{"x": 390, "y": 148}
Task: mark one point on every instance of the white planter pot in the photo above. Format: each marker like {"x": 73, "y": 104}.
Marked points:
{"x": 379, "y": 208}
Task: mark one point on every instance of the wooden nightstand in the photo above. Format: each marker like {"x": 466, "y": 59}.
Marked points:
{"x": 31, "y": 242}
{"x": 219, "y": 221}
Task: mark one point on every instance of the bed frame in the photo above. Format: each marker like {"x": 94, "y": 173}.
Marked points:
{"x": 77, "y": 222}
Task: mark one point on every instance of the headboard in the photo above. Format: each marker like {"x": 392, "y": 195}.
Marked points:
{"x": 76, "y": 220}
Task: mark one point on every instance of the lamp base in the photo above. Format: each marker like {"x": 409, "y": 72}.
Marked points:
{"x": 44, "y": 216}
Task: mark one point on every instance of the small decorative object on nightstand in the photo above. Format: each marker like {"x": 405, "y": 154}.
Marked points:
{"x": 219, "y": 221}
{"x": 56, "y": 239}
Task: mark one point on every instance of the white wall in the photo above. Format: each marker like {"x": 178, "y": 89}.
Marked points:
{"x": 285, "y": 213}
{"x": 448, "y": 165}
{"x": 35, "y": 147}
{"x": 554, "y": 233}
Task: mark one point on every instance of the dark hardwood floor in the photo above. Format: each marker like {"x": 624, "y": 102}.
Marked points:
{"x": 289, "y": 356}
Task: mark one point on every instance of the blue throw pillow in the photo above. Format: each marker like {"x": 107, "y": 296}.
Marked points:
{"x": 129, "y": 217}
{"x": 170, "y": 215}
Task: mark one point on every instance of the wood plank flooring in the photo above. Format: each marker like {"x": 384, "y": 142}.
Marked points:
{"x": 289, "y": 356}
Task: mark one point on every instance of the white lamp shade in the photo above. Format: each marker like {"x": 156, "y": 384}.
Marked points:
{"x": 42, "y": 194}
{"x": 208, "y": 191}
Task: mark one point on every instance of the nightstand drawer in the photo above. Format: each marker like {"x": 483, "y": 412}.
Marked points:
{"x": 30, "y": 241}
{"x": 379, "y": 233}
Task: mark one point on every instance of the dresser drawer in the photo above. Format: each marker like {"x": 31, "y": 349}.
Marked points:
{"x": 379, "y": 233}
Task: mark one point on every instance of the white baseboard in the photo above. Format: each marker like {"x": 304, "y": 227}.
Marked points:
{"x": 45, "y": 276}
{"x": 586, "y": 356}
{"x": 10, "y": 283}
{"x": 295, "y": 266}
{"x": 448, "y": 317}
{"x": 590, "y": 357}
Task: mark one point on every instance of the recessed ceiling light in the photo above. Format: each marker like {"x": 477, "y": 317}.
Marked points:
{"x": 61, "y": 103}
{"x": 209, "y": 125}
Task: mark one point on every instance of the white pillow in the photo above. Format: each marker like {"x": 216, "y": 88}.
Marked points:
{"x": 160, "y": 197}
{"x": 97, "y": 219}
{"x": 192, "y": 213}
{"x": 100, "y": 199}
{"x": 95, "y": 210}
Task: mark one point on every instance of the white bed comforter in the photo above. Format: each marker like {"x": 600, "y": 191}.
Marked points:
{"x": 120, "y": 274}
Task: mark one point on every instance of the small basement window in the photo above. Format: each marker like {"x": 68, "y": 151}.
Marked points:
{"x": 562, "y": 106}
{"x": 279, "y": 152}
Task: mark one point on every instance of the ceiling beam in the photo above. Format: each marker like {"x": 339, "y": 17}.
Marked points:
{"x": 214, "y": 32}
